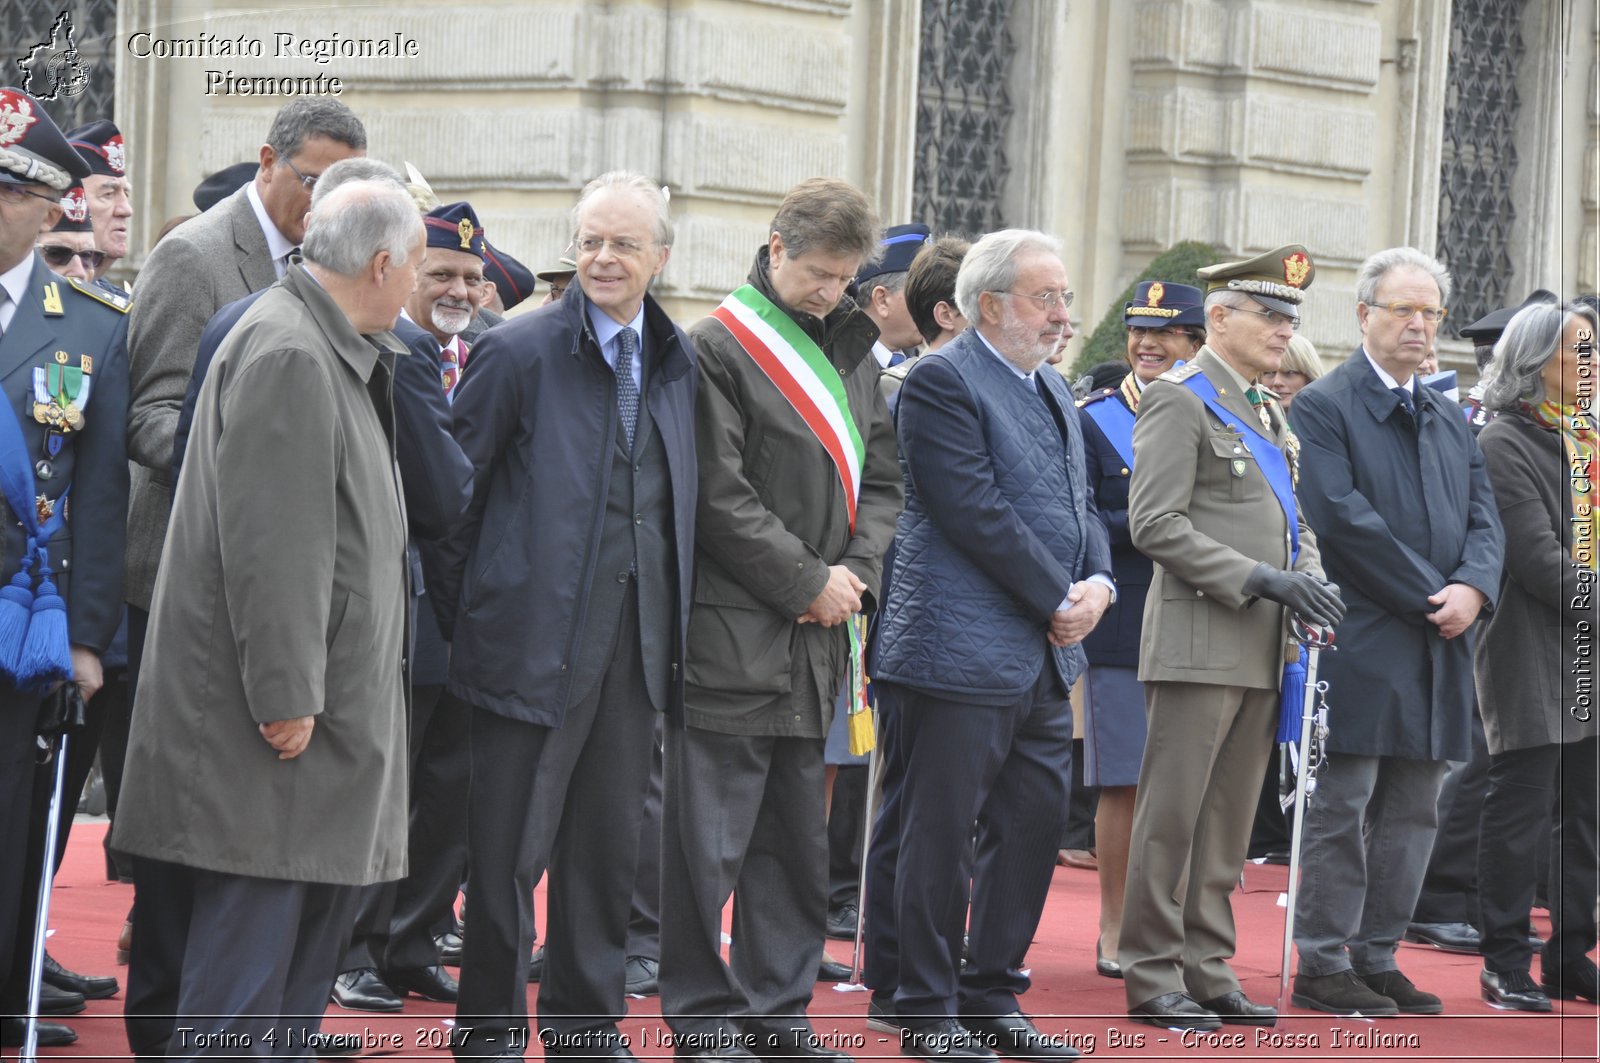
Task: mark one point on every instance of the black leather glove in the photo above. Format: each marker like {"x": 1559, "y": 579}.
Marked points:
{"x": 61, "y": 710}
{"x": 1315, "y": 601}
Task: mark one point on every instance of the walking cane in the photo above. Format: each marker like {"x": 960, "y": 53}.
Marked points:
{"x": 71, "y": 716}
{"x": 866, "y": 844}
{"x": 1313, "y": 733}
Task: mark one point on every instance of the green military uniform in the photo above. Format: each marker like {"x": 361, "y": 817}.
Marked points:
{"x": 1211, "y": 655}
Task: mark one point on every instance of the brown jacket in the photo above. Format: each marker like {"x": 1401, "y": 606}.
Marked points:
{"x": 1536, "y": 659}
{"x": 1206, "y": 527}
{"x": 771, "y": 520}
{"x": 281, "y": 594}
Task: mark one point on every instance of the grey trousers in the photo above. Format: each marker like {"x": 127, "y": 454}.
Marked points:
{"x": 260, "y": 962}
{"x": 1368, "y": 835}
{"x": 742, "y": 816}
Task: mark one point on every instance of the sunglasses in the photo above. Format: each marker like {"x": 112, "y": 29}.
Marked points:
{"x": 59, "y": 256}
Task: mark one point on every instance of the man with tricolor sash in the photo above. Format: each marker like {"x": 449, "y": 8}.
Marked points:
{"x": 798, "y": 494}
{"x": 1211, "y": 502}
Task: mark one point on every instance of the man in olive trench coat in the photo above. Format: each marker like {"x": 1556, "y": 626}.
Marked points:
{"x": 268, "y": 751}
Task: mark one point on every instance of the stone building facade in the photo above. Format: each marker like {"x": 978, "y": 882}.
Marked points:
{"x": 1465, "y": 127}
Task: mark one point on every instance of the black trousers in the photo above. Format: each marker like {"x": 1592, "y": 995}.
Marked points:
{"x": 606, "y": 766}
{"x": 880, "y": 942}
{"x": 18, "y": 713}
{"x": 1009, "y": 769}
{"x": 1450, "y": 888}
{"x": 394, "y": 927}
{"x": 1524, "y": 786}
{"x": 742, "y": 817}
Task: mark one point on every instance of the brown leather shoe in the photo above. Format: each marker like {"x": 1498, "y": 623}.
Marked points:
{"x": 1082, "y": 859}
{"x": 125, "y": 943}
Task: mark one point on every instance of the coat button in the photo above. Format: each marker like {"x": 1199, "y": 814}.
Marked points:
{"x": 1199, "y": 594}
{"x": 1124, "y": 472}
{"x": 622, "y": 577}
{"x": 637, "y": 519}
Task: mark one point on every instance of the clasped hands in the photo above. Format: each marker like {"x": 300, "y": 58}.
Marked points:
{"x": 1087, "y": 601}
{"x": 839, "y": 601}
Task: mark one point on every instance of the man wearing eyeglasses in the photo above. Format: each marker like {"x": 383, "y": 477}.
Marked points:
{"x": 1212, "y": 502}
{"x": 1396, "y": 488}
{"x": 63, "y": 360}
{"x": 565, "y": 597}
{"x": 69, "y": 247}
{"x": 1002, "y": 567}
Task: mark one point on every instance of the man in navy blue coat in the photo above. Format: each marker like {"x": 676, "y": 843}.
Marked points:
{"x": 565, "y": 599}
{"x": 1002, "y": 569}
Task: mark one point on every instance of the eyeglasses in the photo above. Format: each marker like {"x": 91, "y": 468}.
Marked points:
{"x": 1275, "y": 319}
{"x": 557, "y": 289}
{"x": 59, "y": 255}
{"x": 308, "y": 180}
{"x": 1431, "y": 314}
{"x": 1049, "y": 300}
{"x": 623, "y": 247}
{"x": 14, "y": 193}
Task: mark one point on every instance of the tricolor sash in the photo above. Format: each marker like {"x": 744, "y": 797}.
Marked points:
{"x": 798, "y": 368}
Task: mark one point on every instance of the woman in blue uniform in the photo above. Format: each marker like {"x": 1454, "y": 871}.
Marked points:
{"x": 1165, "y": 325}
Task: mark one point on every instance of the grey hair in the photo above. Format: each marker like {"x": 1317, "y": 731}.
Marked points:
{"x": 889, "y": 282}
{"x": 356, "y": 221}
{"x": 359, "y": 168}
{"x": 991, "y": 265}
{"x": 639, "y": 185}
{"x": 1224, "y": 297}
{"x": 314, "y": 116}
{"x": 1374, "y": 269}
{"x": 1531, "y": 338}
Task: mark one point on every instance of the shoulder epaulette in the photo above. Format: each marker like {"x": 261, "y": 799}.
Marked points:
{"x": 1095, "y": 396}
{"x": 1178, "y": 374}
{"x": 118, "y": 301}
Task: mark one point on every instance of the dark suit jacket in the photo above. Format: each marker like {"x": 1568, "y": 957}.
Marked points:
{"x": 201, "y": 266}
{"x": 1115, "y": 640}
{"x": 1400, "y": 509}
{"x": 86, "y": 553}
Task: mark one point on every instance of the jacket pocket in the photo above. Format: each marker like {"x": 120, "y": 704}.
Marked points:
{"x": 739, "y": 651}
{"x": 1232, "y": 471}
{"x": 1193, "y": 631}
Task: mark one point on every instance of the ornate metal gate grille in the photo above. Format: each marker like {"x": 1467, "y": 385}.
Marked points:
{"x": 1476, "y": 210}
{"x": 962, "y": 112}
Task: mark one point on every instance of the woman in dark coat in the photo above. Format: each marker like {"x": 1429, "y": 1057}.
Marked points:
{"x": 1535, "y": 661}
{"x": 1165, "y": 325}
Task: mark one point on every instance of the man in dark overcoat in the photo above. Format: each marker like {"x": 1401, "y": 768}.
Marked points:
{"x": 1395, "y": 487}
{"x": 565, "y": 600}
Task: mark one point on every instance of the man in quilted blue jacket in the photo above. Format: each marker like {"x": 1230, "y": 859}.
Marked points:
{"x": 1003, "y": 566}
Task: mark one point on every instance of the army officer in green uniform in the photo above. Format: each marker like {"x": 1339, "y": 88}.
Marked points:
{"x": 1211, "y": 502}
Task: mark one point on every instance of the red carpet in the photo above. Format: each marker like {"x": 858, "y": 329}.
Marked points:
{"x": 1067, "y": 998}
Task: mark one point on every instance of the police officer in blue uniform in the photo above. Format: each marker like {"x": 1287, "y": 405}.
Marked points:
{"x": 64, "y": 376}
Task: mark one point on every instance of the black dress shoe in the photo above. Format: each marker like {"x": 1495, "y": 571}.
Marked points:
{"x": 842, "y": 921}
{"x": 639, "y": 976}
{"x": 1175, "y": 1011}
{"x": 536, "y": 964}
{"x": 1446, "y": 937}
{"x": 605, "y": 1043}
{"x": 51, "y": 1034}
{"x": 53, "y": 1001}
{"x": 1103, "y": 967}
{"x": 1016, "y": 1036}
{"x": 93, "y": 987}
{"x": 831, "y": 970}
{"x": 1236, "y": 1009}
{"x": 362, "y": 990}
{"x": 449, "y": 944}
{"x": 880, "y": 1014}
{"x": 429, "y": 983}
{"x": 946, "y": 1041}
{"x": 1575, "y": 983}
{"x": 1511, "y": 991}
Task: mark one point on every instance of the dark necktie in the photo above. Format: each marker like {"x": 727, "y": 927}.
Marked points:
{"x": 1405, "y": 401}
{"x": 627, "y": 390}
